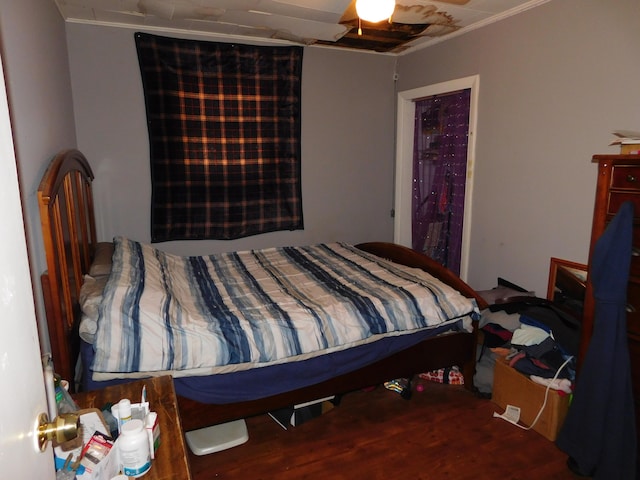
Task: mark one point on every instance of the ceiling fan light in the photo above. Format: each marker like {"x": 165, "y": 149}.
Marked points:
{"x": 375, "y": 10}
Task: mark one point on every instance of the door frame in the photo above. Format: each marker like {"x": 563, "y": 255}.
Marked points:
{"x": 404, "y": 160}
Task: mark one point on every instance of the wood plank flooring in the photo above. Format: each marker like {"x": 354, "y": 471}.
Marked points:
{"x": 444, "y": 432}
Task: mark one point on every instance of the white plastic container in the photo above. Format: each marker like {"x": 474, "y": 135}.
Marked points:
{"x": 153, "y": 432}
{"x": 133, "y": 446}
{"x": 124, "y": 411}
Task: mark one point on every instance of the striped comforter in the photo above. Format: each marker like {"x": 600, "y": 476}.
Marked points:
{"x": 163, "y": 313}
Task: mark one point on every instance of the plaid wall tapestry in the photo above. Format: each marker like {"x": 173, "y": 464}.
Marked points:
{"x": 224, "y": 133}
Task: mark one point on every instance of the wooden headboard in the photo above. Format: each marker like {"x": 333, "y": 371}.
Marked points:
{"x": 68, "y": 227}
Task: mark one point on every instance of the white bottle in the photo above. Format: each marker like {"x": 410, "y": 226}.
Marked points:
{"x": 124, "y": 412}
{"x": 133, "y": 446}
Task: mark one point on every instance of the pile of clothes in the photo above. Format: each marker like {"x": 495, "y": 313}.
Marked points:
{"x": 544, "y": 346}
{"x": 539, "y": 339}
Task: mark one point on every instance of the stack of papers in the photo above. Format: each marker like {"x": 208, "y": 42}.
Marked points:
{"x": 624, "y": 137}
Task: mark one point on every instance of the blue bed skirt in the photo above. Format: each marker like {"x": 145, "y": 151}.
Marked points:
{"x": 264, "y": 382}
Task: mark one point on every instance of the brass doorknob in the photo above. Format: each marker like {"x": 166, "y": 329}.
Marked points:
{"x": 64, "y": 427}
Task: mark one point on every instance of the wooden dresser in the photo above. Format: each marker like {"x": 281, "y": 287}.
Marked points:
{"x": 618, "y": 181}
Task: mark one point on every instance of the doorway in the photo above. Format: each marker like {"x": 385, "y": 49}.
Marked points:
{"x": 432, "y": 180}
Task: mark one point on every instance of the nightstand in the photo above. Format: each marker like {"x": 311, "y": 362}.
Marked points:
{"x": 171, "y": 462}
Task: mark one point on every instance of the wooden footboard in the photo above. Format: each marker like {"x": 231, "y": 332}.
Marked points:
{"x": 406, "y": 256}
{"x": 411, "y": 258}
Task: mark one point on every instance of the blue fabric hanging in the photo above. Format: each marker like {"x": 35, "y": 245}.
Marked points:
{"x": 599, "y": 433}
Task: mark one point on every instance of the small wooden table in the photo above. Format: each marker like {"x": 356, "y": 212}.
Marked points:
{"x": 171, "y": 462}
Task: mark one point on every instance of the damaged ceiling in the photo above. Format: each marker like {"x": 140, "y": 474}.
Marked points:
{"x": 333, "y": 23}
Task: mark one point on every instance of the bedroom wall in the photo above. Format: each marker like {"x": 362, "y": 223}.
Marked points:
{"x": 347, "y": 142}
{"x": 555, "y": 81}
{"x": 36, "y": 67}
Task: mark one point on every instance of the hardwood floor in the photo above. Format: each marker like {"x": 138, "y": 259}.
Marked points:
{"x": 444, "y": 432}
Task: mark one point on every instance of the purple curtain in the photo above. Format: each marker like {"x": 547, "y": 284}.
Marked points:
{"x": 439, "y": 176}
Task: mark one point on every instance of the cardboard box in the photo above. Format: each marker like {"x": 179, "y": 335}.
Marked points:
{"x": 511, "y": 387}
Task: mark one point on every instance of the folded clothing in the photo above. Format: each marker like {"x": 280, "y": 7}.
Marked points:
{"x": 496, "y": 335}
{"x": 560, "y": 384}
{"x": 564, "y": 328}
{"x": 451, "y": 376}
{"x": 528, "y": 335}
{"x": 543, "y": 360}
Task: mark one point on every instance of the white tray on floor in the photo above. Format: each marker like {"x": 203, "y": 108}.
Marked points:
{"x": 218, "y": 437}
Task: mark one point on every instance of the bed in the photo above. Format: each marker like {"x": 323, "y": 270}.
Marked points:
{"x": 213, "y": 397}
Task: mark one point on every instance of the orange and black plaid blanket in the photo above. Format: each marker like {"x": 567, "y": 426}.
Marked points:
{"x": 224, "y": 134}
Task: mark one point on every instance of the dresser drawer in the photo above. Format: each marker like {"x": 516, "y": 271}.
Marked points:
{"x": 625, "y": 176}
{"x": 618, "y": 198}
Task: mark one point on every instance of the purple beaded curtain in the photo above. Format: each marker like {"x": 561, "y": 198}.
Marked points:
{"x": 439, "y": 176}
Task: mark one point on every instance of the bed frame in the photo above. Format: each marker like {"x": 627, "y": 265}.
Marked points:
{"x": 68, "y": 227}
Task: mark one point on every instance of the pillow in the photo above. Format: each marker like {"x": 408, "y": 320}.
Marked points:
{"x": 101, "y": 264}
{"x": 90, "y": 299}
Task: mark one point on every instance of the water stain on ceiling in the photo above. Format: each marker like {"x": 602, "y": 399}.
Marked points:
{"x": 331, "y": 23}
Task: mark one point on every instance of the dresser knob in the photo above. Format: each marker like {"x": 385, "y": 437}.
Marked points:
{"x": 630, "y": 308}
{"x": 631, "y": 178}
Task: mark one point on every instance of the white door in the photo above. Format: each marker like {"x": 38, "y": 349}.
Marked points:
{"x": 404, "y": 160}
{"x": 23, "y": 395}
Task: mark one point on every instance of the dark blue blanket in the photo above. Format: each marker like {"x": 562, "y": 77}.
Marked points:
{"x": 599, "y": 432}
